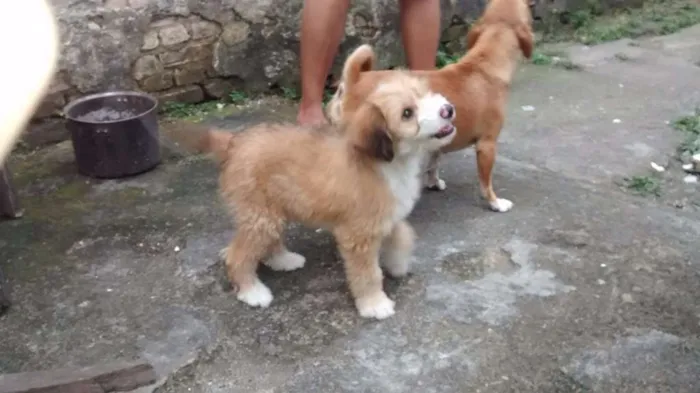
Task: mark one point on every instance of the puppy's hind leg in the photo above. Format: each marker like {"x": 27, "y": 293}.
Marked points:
{"x": 361, "y": 257}
{"x": 431, "y": 178}
{"x": 398, "y": 249}
{"x": 281, "y": 259}
{"x": 250, "y": 244}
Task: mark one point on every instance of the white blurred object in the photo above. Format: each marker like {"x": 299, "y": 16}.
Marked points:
{"x": 25, "y": 78}
{"x": 690, "y": 179}
{"x": 657, "y": 167}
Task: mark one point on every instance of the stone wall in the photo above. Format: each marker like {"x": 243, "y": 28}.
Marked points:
{"x": 191, "y": 50}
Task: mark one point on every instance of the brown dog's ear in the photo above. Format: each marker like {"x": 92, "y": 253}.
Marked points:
{"x": 525, "y": 39}
{"x": 473, "y": 34}
{"x": 360, "y": 60}
{"x": 370, "y": 134}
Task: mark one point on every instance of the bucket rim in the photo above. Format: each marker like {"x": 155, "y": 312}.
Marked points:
{"x": 71, "y": 105}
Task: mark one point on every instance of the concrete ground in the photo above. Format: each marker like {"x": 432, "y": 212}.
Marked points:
{"x": 582, "y": 287}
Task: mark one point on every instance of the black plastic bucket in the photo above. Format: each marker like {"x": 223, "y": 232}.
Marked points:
{"x": 114, "y": 134}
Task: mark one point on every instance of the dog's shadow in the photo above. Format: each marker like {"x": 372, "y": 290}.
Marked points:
{"x": 323, "y": 270}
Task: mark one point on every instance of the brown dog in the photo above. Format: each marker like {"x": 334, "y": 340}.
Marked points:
{"x": 477, "y": 85}
{"x": 360, "y": 183}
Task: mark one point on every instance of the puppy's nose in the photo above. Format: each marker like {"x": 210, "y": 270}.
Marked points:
{"x": 447, "y": 111}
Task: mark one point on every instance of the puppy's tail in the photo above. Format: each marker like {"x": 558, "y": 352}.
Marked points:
{"x": 217, "y": 142}
{"x": 197, "y": 138}
{"x": 360, "y": 60}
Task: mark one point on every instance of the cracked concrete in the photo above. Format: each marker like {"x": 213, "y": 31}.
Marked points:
{"x": 582, "y": 287}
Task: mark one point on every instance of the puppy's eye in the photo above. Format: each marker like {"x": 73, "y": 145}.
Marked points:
{"x": 407, "y": 114}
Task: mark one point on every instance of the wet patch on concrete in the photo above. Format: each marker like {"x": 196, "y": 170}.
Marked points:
{"x": 492, "y": 298}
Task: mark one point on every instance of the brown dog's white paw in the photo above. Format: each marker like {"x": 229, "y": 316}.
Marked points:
{"x": 377, "y": 306}
{"x": 285, "y": 261}
{"x": 258, "y": 295}
{"x": 501, "y": 205}
{"x": 435, "y": 185}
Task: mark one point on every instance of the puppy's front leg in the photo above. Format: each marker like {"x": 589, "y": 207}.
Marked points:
{"x": 398, "y": 248}
{"x": 361, "y": 257}
{"x": 485, "y": 158}
{"x": 431, "y": 177}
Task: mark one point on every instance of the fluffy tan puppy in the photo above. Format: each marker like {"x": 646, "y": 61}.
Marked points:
{"x": 477, "y": 85}
{"x": 360, "y": 184}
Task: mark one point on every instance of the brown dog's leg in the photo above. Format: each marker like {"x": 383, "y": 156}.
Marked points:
{"x": 398, "y": 248}
{"x": 361, "y": 256}
{"x": 485, "y": 158}
{"x": 248, "y": 247}
{"x": 281, "y": 259}
{"x": 431, "y": 178}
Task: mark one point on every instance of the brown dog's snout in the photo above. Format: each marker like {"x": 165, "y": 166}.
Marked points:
{"x": 447, "y": 111}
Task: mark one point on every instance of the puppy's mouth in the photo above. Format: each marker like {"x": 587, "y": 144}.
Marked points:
{"x": 444, "y": 131}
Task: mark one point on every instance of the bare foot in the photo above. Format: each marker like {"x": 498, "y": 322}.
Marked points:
{"x": 311, "y": 116}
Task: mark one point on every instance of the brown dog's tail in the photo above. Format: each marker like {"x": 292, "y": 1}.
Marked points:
{"x": 197, "y": 138}
{"x": 360, "y": 60}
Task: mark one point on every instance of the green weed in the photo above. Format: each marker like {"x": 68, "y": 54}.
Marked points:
{"x": 690, "y": 126}
{"x": 237, "y": 97}
{"x": 644, "y": 185}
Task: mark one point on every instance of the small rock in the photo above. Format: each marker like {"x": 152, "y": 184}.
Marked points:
{"x": 145, "y": 66}
{"x": 617, "y": 121}
{"x": 177, "y": 249}
{"x": 696, "y": 158}
{"x": 528, "y": 108}
{"x": 687, "y": 167}
{"x": 204, "y": 29}
{"x": 603, "y": 265}
{"x": 657, "y": 167}
{"x": 627, "y": 298}
{"x": 235, "y": 33}
{"x": 601, "y": 281}
{"x": 150, "y": 41}
{"x": 690, "y": 179}
{"x": 681, "y": 203}
{"x": 173, "y": 34}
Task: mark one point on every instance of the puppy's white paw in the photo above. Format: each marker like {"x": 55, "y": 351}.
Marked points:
{"x": 285, "y": 261}
{"x": 377, "y": 306}
{"x": 258, "y": 295}
{"x": 501, "y": 205}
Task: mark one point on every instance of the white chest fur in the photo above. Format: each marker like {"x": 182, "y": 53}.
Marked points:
{"x": 403, "y": 178}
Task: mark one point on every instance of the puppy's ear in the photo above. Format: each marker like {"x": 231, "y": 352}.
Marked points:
{"x": 370, "y": 133}
{"x": 360, "y": 60}
{"x": 473, "y": 34}
{"x": 525, "y": 39}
